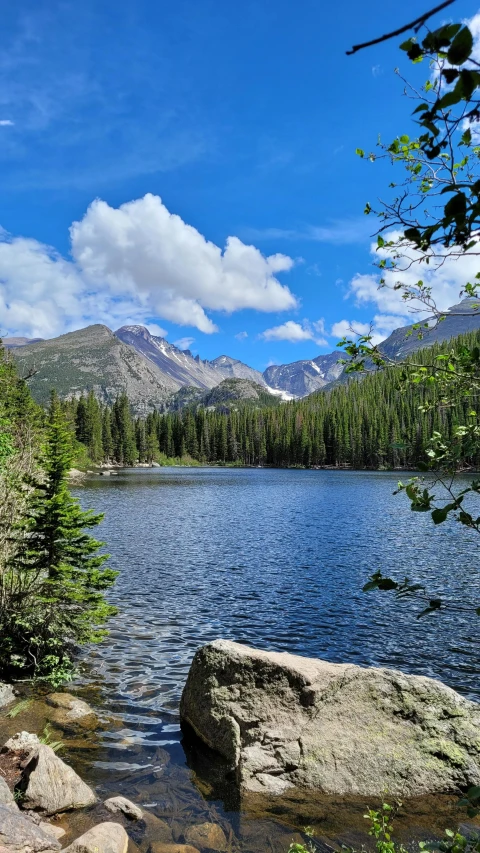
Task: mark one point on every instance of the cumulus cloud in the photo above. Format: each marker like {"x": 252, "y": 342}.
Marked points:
{"x": 184, "y": 343}
{"x": 6, "y": 122}
{"x": 142, "y": 248}
{"x": 295, "y": 332}
{"x": 241, "y": 336}
{"x": 132, "y": 265}
{"x": 389, "y": 309}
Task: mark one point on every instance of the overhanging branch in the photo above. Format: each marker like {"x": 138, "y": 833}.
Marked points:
{"x": 415, "y": 25}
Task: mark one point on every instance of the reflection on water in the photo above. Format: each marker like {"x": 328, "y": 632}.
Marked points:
{"x": 275, "y": 559}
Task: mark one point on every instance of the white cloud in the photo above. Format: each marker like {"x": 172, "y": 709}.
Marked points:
{"x": 382, "y": 326}
{"x": 156, "y": 330}
{"x": 6, "y": 122}
{"x": 345, "y": 328}
{"x": 142, "y": 248}
{"x": 241, "y": 336}
{"x": 132, "y": 265}
{"x": 446, "y": 279}
{"x": 295, "y": 332}
{"x": 184, "y": 343}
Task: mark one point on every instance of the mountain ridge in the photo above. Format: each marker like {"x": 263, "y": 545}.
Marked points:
{"x": 151, "y": 370}
{"x": 92, "y": 359}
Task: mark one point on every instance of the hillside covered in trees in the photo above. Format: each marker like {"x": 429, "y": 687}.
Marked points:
{"x": 373, "y": 422}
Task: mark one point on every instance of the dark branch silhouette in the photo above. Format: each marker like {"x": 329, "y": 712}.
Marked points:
{"x": 416, "y": 24}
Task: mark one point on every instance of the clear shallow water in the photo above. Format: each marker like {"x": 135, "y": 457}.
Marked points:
{"x": 272, "y": 558}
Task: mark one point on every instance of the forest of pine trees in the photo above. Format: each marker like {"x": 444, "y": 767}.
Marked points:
{"x": 371, "y": 423}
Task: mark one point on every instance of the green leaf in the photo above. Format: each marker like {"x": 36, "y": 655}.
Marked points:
{"x": 414, "y": 235}
{"x": 439, "y": 515}
{"x": 415, "y": 53}
{"x": 434, "y": 604}
{"x": 451, "y": 98}
{"x": 450, "y": 74}
{"x": 360, "y": 152}
{"x": 386, "y": 584}
{"x": 470, "y": 81}
{"x": 457, "y": 205}
{"x": 461, "y": 47}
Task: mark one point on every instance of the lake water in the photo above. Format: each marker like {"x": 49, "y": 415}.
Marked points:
{"x": 272, "y": 558}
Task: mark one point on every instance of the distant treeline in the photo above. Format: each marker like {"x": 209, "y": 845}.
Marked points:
{"x": 370, "y": 423}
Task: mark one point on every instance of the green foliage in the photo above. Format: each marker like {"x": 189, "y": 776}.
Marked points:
{"x": 309, "y": 847}
{"x": 19, "y": 708}
{"x": 47, "y": 739}
{"x": 54, "y": 580}
{"x": 381, "y": 829}
{"x": 435, "y": 216}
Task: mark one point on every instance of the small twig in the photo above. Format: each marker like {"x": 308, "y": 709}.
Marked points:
{"x": 416, "y": 24}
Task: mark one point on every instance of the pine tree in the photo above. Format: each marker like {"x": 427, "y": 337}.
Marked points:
{"x": 59, "y": 574}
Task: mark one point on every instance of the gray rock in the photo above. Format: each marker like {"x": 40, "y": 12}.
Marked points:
{"x": 7, "y": 694}
{"x": 104, "y": 838}
{"x": 6, "y": 796}
{"x": 18, "y": 834}
{"x": 22, "y": 742}
{"x": 51, "y": 785}
{"x": 284, "y": 720}
{"x": 55, "y": 831}
{"x": 126, "y": 807}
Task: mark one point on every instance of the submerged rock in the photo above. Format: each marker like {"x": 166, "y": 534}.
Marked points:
{"x": 284, "y": 720}
{"x": 18, "y": 834}
{"x": 126, "y": 807}
{"x": 56, "y": 832}
{"x": 207, "y": 835}
{"x": 68, "y": 711}
{"x": 104, "y": 838}
{"x": 162, "y": 847}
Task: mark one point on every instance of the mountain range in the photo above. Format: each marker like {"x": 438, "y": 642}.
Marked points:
{"x": 155, "y": 373}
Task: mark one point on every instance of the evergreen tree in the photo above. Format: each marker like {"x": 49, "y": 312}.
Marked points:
{"x": 55, "y": 570}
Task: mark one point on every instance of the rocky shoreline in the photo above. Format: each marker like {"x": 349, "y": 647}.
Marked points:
{"x": 284, "y": 726}
{"x": 41, "y": 797}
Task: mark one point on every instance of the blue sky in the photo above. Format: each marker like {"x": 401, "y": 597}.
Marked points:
{"x": 243, "y": 119}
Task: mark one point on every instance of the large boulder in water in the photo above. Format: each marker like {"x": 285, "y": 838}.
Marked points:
{"x": 284, "y": 720}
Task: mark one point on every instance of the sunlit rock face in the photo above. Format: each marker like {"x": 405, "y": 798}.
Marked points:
{"x": 285, "y": 721}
